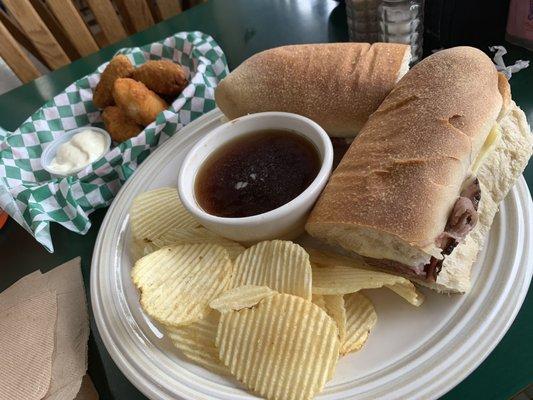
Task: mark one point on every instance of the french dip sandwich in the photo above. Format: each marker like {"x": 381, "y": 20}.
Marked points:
{"x": 418, "y": 189}
{"x": 338, "y": 85}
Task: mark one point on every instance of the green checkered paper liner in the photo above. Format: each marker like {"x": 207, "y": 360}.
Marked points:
{"x": 34, "y": 198}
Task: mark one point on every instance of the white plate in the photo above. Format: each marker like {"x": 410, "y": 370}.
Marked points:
{"x": 411, "y": 354}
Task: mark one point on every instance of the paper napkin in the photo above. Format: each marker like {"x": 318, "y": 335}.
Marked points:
{"x": 72, "y": 333}
{"x": 27, "y": 346}
{"x": 44, "y": 330}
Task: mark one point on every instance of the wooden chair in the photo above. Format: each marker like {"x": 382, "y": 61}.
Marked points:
{"x": 57, "y": 32}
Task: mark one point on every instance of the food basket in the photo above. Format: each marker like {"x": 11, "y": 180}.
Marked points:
{"x": 34, "y": 198}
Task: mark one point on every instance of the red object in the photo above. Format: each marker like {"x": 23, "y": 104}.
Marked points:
{"x": 520, "y": 23}
{"x": 3, "y": 218}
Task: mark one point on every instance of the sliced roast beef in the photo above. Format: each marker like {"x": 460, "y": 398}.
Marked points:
{"x": 472, "y": 191}
{"x": 395, "y": 267}
{"x": 461, "y": 221}
{"x": 433, "y": 269}
{"x": 464, "y": 214}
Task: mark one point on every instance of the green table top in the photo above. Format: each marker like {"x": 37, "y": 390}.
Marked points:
{"x": 241, "y": 28}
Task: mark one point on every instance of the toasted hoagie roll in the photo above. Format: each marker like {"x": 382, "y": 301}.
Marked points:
{"x": 338, "y": 85}
{"x": 418, "y": 189}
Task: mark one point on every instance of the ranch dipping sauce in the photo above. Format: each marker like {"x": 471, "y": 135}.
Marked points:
{"x": 256, "y": 173}
{"x": 83, "y": 149}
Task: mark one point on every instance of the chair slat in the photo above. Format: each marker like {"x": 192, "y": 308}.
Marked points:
{"x": 168, "y": 8}
{"x": 38, "y": 32}
{"x": 107, "y": 18}
{"x": 74, "y": 26}
{"x": 138, "y": 13}
{"x": 55, "y": 28}
{"x": 124, "y": 17}
{"x": 15, "y": 57}
{"x": 19, "y": 36}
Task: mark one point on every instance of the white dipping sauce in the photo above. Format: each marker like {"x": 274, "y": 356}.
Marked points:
{"x": 80, "y": 151}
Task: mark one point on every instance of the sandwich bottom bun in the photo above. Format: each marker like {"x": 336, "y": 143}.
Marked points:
{"x": 497, "y": 175}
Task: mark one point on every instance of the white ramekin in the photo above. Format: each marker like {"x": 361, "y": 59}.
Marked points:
{"x": 51, "y": 149}
{"x": 284, "y": 222}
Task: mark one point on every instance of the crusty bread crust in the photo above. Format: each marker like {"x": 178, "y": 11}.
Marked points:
{"x": 338, "y": 85}
{"x": 505, "y": 91}
{"x": 403, "y": 173}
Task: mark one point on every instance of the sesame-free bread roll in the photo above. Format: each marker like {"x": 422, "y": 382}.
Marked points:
{"x": 448, "y": 121}
{"x": 338, "y": 85}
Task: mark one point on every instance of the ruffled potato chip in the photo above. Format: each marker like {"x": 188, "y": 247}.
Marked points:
{"x": 177, "y": 283}
{"x": 155, "y": 212}
{"x": 240, "y": 297}
{"x": 281, "y": 265}
{"x": 283, "y": 348}
{"x": 336, "y": 310}
{"x": 360, "y": 319}
{"x": 197, "y": 342}
{"x": 191, "y": 235}
{"x": 338, "y": 275}
{"x": 334, "y": 307}
{"x": 318, "y": 299}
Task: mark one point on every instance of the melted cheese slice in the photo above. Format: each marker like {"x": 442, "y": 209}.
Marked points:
{"x": 490, "y": 143}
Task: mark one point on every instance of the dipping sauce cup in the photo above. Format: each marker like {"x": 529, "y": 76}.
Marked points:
{"x": 284, "y": 222}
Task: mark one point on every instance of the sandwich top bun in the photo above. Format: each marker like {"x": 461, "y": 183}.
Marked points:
{"x": 338, "y": 85}
{"x": 393, "y": 192}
